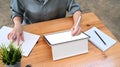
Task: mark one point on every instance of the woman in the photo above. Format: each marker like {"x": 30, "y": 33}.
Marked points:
{"x": 32, "y": 11}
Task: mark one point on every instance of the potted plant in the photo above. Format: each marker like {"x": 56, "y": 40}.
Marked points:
{"x": 11, "y": 56}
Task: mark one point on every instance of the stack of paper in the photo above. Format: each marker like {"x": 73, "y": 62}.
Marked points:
{"x": 100, "y": 39}
{"x": 29, "y": 40}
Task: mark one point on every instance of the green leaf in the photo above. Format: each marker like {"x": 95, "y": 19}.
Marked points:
{"x": 10, "y": 55}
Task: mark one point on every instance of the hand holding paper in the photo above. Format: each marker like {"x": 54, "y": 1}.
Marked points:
{"x": 29, "y": 40}
{"x": 16, "y": 34}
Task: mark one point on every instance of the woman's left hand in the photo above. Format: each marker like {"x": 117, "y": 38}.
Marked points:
{"x": 75, "y": 30}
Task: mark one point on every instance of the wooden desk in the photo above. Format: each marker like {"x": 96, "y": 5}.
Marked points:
{"x": 41, "y": 55}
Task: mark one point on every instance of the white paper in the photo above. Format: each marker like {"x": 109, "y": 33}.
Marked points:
{"x": 61, "y": 37}
{"x": 65, "y": 45}
{"x": 97, "y": 41}
{"x": 29, "y": 40}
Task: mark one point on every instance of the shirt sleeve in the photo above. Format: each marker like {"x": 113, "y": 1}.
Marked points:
{"x": 16, "y": 9}
{"x": 73, "y": 7}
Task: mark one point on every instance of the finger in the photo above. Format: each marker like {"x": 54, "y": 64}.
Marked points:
{"x": 8, "y": 36}
{"x": 72, "y": 31}
{"x": 75, "y": 31}
{"x": 22, "y": 37}
{"x": 14, "y": 36}
{"x": 79, "y": 31}
{"x": 18, "y": 39}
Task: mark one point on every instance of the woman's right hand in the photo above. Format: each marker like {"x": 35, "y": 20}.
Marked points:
{"x": 16, "y": 35}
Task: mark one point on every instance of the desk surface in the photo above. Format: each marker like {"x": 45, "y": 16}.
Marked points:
{"x": 41, "y": 55}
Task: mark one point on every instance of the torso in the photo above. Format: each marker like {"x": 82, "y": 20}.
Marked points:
{"x": 36, "y": 11}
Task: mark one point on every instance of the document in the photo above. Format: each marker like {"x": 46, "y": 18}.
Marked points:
{"x": 29, "y": 40}
{"x": 100, "y": 39}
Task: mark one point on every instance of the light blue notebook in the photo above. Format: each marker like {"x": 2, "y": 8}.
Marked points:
{"x": 100, "y": 39}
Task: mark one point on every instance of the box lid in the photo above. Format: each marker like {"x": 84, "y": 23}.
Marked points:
{"x": 62, "y": 37}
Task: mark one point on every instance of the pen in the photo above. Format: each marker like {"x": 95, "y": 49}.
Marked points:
{"x": 78, "y": 21}
{"x": 100, "y": 37}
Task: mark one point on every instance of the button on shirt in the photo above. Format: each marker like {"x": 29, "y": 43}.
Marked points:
{"x": 32, "y": 11}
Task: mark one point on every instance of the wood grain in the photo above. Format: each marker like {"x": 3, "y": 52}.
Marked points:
{"x": 41, "y": 55}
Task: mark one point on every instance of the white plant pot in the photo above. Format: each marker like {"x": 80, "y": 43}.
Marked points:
{"x": 18, "y": 64}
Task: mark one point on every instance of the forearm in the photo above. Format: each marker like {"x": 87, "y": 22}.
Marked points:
{"x": 76, "y": 15}
{"x": 16, "y": 35}
{"x": 17, "y": 21}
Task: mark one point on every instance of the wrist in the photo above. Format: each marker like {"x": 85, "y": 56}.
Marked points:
{"x": 17, "y": 21}
{"x": 18, "y": 25}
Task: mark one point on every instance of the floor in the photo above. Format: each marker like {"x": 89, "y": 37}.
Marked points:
{"x": 106, "y": 10}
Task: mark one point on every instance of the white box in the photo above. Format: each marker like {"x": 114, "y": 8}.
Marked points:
{"x": 63, "y": 44}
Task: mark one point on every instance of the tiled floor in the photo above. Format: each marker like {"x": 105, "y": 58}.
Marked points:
{"x": 106, "y": 10}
